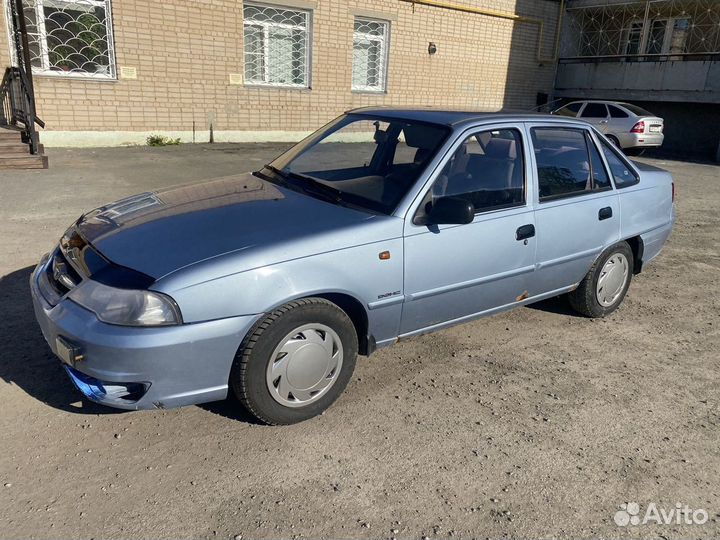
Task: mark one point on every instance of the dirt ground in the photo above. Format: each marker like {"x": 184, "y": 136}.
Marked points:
{"x": 535, "y": 423}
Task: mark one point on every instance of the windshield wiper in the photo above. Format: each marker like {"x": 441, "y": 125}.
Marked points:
{"x": 309, "y": 185}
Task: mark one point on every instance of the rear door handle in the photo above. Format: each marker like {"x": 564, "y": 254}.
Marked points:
{"x": 524, "y": 232}
{"x": 605, "y": 213}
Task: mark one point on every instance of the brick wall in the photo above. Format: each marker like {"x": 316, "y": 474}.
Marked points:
{"x": 185, "y": 51}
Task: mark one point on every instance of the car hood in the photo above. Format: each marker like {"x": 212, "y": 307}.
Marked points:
{"x": 158, "y": 233}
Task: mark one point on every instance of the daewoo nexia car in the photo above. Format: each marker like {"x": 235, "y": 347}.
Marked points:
{"x": 625, "y": 125}
{"x": 384, "y": 224}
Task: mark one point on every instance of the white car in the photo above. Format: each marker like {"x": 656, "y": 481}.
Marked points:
{"x": 626, "y": 125}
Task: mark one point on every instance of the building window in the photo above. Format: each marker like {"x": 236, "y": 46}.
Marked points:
{"x": 634, "y": 37}
{"x": 370, "y": 55}
{"x": 70, "y": 37}
{"x": 277, "y": 46}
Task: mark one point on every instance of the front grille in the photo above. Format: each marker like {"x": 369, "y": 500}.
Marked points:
{"x": 61, "y": 275}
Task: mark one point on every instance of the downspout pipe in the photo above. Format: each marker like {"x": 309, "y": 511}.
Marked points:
{"x": 502, "y": 15}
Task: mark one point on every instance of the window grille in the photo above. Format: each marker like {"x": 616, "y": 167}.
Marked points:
{"x": 277, "y": 46}
{"x": 642, "y": 27}
{"x": 370, "y": 55}
{"x": 70, "y": 37}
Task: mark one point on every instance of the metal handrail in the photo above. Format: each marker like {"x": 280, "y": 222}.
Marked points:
{"x": 18, "y": 106}
{"x": 17, "y": 94}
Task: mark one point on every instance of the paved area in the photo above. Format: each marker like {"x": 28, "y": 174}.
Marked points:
{"x": 534, "y": 423}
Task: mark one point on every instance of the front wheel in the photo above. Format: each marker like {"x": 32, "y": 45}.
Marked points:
{"x": 604, "y": 287}
{"x": 296, "y": 362}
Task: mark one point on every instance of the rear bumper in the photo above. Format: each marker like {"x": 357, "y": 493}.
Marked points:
{"x": 644, "y": 140}
{"x": 162, "y": 367}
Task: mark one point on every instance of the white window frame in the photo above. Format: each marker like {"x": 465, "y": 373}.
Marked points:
{"x": 266, "y": 25}
{"x": 384, "y": 40}
{"x": 44, "y": 69}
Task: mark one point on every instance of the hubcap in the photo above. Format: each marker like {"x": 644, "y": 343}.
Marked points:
{"x": 612, "y": 279}
{"x": 304, "y": 365}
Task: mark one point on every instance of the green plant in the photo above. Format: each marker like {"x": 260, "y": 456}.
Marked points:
{"x": 161, "y": 140}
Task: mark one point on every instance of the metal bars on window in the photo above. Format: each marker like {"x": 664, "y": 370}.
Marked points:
{"x": 277, "y": 46}
{"x": 642, "y": 29}
{"x": 70, "y": 37}
{"x": 370, "y": 55}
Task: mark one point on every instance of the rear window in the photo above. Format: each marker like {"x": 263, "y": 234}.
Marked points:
{"x": 639, "y": 111}
{"x": 569, "y": 110}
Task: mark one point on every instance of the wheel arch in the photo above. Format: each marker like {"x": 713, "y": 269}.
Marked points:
{"x": 358, "y": 315}
{"x": 354, "y": 309}
{"x": 638, "y": 247}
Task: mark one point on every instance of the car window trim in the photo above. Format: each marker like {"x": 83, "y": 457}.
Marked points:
{"x": 586, "y": 133}
{"x": 414, "y": 207}
{"x": 590, "y": 141}
{"x": 603, "y": 141}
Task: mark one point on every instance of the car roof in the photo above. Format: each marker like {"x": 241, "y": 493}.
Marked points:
{"x": 454, "y": 118}
{"x": 603, "y": 101}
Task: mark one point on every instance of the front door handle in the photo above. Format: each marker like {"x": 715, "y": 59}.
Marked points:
{"x": 605, "y": 213}
{"x": 525, "y": 232}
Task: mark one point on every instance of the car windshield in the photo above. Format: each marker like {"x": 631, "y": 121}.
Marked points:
{"x": 359, "y": 160}
{"x": 639, "y": 111}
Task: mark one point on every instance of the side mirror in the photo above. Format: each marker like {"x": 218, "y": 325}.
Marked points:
{"x": 451, "y": 211}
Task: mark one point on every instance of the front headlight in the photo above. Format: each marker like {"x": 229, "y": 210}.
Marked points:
{"x": 126, "y": 307}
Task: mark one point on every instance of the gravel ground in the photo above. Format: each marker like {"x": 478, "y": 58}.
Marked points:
{"x": 534, "y": 423}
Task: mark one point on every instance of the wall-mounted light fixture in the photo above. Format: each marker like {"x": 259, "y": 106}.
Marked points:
{"x": 432, "y": 48}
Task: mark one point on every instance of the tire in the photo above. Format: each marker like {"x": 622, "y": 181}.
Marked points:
{"x": 636, "y": 151}
{"x": 616, "y": 142}
{"x": 596, "y": 302}
{"x": 297, "y": 348}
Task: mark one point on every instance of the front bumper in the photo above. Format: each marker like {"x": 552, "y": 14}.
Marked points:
{"x": 160, "y": 367}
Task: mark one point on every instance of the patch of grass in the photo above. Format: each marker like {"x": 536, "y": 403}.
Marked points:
{"x": 161, "y": 140}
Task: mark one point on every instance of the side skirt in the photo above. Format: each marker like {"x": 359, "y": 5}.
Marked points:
{"x": 481, "y": 314}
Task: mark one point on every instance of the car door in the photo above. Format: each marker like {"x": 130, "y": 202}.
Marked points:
{"x": 596, "y": 114}
{"x": 576, "y": 206}
{"x": 619, "y": 122}
{"x": 455, "y": 272}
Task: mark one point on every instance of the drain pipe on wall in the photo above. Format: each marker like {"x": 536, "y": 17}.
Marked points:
{"x": 502, "y": 15}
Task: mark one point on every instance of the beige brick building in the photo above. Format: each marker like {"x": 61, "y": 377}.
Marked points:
{"x": 113, "y": 71}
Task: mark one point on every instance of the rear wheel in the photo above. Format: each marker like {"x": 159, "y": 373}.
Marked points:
{"x": 296, "y": 362}
{"x": 636, "y": 151}
{"x": 613, "y": 139}
{"x": 604, "y": 287}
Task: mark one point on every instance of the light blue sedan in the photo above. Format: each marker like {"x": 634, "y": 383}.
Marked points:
{"x": 384, "y": 224}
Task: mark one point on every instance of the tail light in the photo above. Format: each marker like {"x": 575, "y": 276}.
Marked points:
{"x": 638, "y": 128}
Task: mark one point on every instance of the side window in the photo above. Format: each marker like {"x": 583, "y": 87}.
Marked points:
{"x": 487, "y": 169}
{"x": 621, "y": 172}
{"x": 567, "y": 163}
{"x": 570, "y": 110}
{"x": 594, "y": 110}
{"x": 616, "y": 112}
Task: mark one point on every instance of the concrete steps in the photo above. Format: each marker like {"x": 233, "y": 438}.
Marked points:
{"x": 15, "y": 154}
